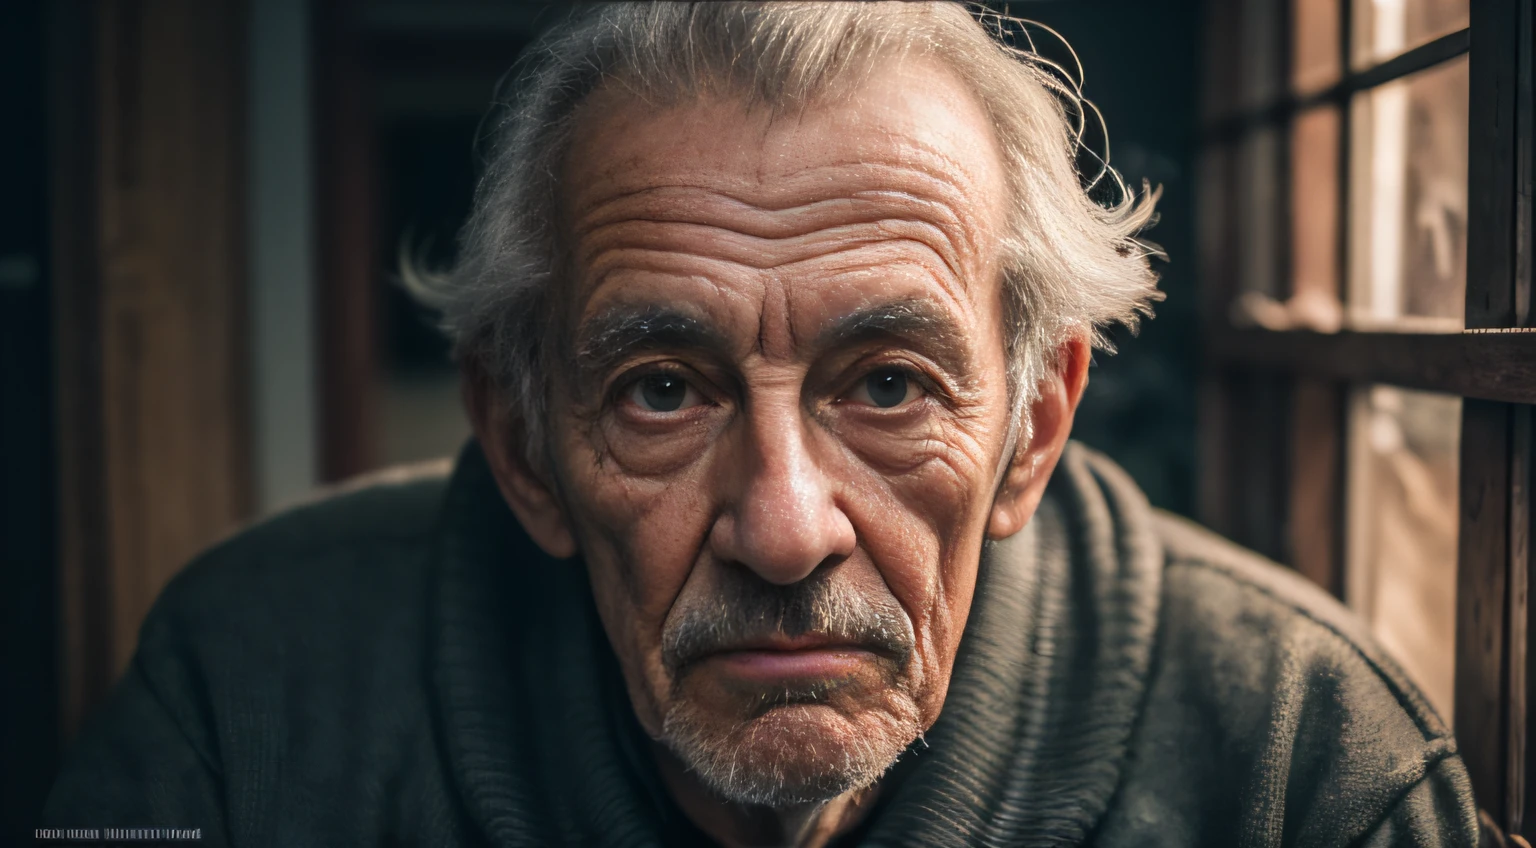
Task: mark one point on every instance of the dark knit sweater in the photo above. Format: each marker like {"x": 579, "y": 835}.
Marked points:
{"x": 401, "y": 666}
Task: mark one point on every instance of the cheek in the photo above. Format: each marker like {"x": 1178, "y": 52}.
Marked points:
{"x": 640, "y": 536}
{"x": 639, "y": 503}
{"x": 923, "y": 526}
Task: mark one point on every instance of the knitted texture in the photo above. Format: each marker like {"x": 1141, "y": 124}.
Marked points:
{"x": 400, "y": 665}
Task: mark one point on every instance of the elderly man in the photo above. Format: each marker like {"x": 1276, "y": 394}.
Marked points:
{"x": 774, "y": 319}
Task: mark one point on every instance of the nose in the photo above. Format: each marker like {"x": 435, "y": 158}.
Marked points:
{"x": 783, "y": 520}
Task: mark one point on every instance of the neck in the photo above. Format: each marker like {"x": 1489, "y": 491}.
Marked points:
{"x": 751, "y": 826}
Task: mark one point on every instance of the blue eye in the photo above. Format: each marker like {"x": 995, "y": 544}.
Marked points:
{"x": 663, "y": 393}
{"x": 887, "y": 388}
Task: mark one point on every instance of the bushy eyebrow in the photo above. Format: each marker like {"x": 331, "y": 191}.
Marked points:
{"x": 608, "y": 338}
{"x": 918, "y": 324}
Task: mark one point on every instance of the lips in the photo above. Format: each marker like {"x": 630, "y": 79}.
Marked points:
{"x": 779, "y": 657}
{"x": 787, "y": 643}
{"x": 823, "y": 662}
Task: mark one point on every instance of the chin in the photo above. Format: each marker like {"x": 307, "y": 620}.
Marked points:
{"x": 790, "y": 748}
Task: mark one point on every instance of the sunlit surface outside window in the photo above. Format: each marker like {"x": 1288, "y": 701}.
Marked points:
{"x": 1386, "y": 28}
{"x": 1315, "y": 216}
{"x": 1404, "y": 451}
{"x": 1408, "y": 202}
{"x": 1315, "y": 48}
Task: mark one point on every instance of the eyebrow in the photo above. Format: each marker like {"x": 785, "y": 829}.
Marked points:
{"x": 612, "y": 336}
{"x": 920, "y": 324}
{"x": 609, "y": 338}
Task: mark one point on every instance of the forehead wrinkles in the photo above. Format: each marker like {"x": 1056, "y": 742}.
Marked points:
{"x": 895, "y": 205}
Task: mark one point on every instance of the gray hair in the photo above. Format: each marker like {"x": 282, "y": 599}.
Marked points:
{"x": 1071, "y": 265}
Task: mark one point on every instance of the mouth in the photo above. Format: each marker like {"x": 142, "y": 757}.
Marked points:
{"x": 776, "y": 659}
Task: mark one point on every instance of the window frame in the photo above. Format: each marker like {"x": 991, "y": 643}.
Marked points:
{"x": 1273, "y": 407}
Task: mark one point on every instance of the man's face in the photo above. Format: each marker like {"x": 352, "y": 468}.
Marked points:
{"x": 779, "y": 437}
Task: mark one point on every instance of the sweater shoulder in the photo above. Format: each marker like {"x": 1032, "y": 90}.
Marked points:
{"x": 1275, "y": 700}
{"x": 398, "y": 504}
{"x": 1237, "y": 604}
{"x": 346, "y": 561}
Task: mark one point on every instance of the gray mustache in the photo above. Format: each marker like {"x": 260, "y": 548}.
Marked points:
{"x": 748, "y": 609}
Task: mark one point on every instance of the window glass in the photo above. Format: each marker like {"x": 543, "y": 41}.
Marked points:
{"x": 1314, "y": 301}
{"x": 1387, "y": 28}
{"x": 1315, "y": 56}
{"x": 1401, "y": 537}
{"x": 1408, "y": 202}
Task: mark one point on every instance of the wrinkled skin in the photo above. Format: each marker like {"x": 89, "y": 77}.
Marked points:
{"x": 773, "y": 453}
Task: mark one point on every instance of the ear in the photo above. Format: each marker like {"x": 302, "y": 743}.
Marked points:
{"x": 1050, "y": 425}
{"x": 501, "y": 436}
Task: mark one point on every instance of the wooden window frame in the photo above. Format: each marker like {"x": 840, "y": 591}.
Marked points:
{"x": 1491, "y": 365}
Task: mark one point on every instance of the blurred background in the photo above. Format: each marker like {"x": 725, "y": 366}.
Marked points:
{"x": 205, "y": 202}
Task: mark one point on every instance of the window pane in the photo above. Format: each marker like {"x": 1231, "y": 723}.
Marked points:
{"x": 1401, "y": 572}
{"x": 1408, "y": 202}
{"x": 1315, "y": 52}
{"x": 1385, "y": 28}
{"x": 1315, "y": 219}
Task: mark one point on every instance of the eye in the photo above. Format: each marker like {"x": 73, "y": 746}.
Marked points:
{"x": 663, "y": 393}
{"x": 886, "y": 388}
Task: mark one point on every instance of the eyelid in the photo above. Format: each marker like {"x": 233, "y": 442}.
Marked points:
{"x": 628, "y": 378}
{"x": 917, "y": 379}
{"x": 635, "y": 395}
{"x": 931, "y": 385}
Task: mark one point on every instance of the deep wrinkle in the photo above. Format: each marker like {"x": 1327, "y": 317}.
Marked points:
{"x": 720, "y": 230}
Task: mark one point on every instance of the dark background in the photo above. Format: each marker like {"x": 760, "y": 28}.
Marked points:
{"x": 392, "y": 137}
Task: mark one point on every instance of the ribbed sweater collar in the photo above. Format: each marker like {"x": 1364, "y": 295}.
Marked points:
{"x": 545, "y": 750}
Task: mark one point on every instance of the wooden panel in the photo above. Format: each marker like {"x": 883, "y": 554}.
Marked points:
{"x": 1481, "y": 600}
{"x": 1315, "y": 515}
{"x": 152, "y": 371}
{"x": 345, "y": 201}
{"x": 1525, "y": 137}
{"x": 1491, "y": 172}
{"x": 1517, "y": 617}
{"x": 1492, "y": 582}
{"x": 1489, "y": 365}
{"x": 1523, "y": 515}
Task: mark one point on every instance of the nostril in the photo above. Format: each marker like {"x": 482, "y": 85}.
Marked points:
{"x": 783, "y": 542}
{"x": 783, "y": 520}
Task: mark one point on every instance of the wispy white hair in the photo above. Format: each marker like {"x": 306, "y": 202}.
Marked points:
{"x": 1072, "y": 263}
